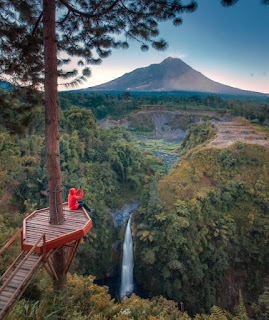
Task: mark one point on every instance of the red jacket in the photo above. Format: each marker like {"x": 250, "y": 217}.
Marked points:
{"x": 73, "y": 197}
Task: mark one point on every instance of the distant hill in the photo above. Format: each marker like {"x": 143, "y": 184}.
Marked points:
{"x": 172, "y": 74}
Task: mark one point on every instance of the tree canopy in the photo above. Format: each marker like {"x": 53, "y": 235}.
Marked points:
{"x": 85, "y": 29}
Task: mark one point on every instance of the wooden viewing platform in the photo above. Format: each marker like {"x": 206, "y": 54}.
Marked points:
{"x": 76, "y": 225}
{"x": 39, "y": 241}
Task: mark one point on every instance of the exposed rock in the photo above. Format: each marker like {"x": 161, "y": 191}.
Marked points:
{"x": 235, "y": 131}
{"x": 121, "y": 216}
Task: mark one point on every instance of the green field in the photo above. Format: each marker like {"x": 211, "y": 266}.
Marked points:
{"x": 158, "y": 145}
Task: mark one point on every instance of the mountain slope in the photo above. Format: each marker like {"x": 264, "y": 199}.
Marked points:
{"x": 172, "y": 74}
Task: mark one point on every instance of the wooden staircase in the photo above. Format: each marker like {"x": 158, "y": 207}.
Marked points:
{"x": 17, "y": 277}
{"x": 40, "y": 240}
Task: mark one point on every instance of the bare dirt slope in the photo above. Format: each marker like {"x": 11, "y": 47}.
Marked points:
{"x": 162, "y": 123}
{"x": 172, "y": 125}
{"x": 235, "y": 131}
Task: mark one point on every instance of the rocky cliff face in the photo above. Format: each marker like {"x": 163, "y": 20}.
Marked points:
{"x": 170, "y": 75}
{"x": 160, "y": 123}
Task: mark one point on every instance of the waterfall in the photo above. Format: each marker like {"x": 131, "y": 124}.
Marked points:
{"x": 127, "y": 284}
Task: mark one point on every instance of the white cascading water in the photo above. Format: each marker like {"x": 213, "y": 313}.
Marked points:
{"x": 127, "y": 283}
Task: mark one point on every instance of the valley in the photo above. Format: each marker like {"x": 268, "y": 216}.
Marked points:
{"x": 199, "y": 177}
{"x": 161, "y": 132}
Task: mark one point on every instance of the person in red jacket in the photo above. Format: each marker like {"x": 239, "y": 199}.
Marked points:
{"x": 74, "y": 200}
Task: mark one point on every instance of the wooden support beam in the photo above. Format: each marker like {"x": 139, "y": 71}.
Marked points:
{"x": 71, "y": 250}
{"x": 44, "y": 254}
{"x": 72, "y": 254}
{"x": 52, "y": 270}
{"x": 24, "y": 227}
{"x": 48, "y": 271}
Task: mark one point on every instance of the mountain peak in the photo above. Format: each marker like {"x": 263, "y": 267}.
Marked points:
{"x": 172, "y": 74}
{"x": 170, "y": 59}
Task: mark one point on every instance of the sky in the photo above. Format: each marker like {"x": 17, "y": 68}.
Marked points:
{"x": 227, "y": 44}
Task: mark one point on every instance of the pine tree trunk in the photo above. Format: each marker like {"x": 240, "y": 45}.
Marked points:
{"x": 52, "y": 131}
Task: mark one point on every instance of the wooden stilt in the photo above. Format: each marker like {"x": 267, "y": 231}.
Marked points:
{"x": 73, "y": 252}
{"x": 51, "y": 269}
{"x": 48, "y": 271}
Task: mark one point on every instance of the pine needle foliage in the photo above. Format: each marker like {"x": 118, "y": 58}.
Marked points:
{"x": 17, "y": 108}
{"x": 86, "y": 29}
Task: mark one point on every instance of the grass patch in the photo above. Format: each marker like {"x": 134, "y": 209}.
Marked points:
{"x": 264, "y": 129}
{"x": 158, "y": 145}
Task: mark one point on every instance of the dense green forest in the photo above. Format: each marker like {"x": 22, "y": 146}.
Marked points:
{"x": 201, "y": 230}
{"x": 87, "y": 301}
{"x": 105, "y": 162}
{"x": 118, "y": 106}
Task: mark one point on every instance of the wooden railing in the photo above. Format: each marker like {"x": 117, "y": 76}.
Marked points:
{"x": 24, "y": 282}
{"x": 18, "y": 266}
{"x": 44, "y": 253}
{"x": 10, "y": 241}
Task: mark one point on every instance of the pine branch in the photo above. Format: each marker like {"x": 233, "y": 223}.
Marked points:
{"x": 89, "y": 15}
{"x": 37, "y": 23}
{"x": 65, "y": 18}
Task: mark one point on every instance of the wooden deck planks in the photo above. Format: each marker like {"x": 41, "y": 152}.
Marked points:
{"x": 6, "y": 293}
{"x": 68, "y": 217}
{"x": 68, "y": 220}
{"x": 39, "y": 230}
{"x": 49, "y": 235}
{"x": 4, "y": 299}
{"x": 78, "y": 218}
{"x": 66, "y": 225}
{"x": 8, "y": 289}
{"x": 38, "y": 224}
{"x": 17, "y": 277}
{"x": 66, "y": 214}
